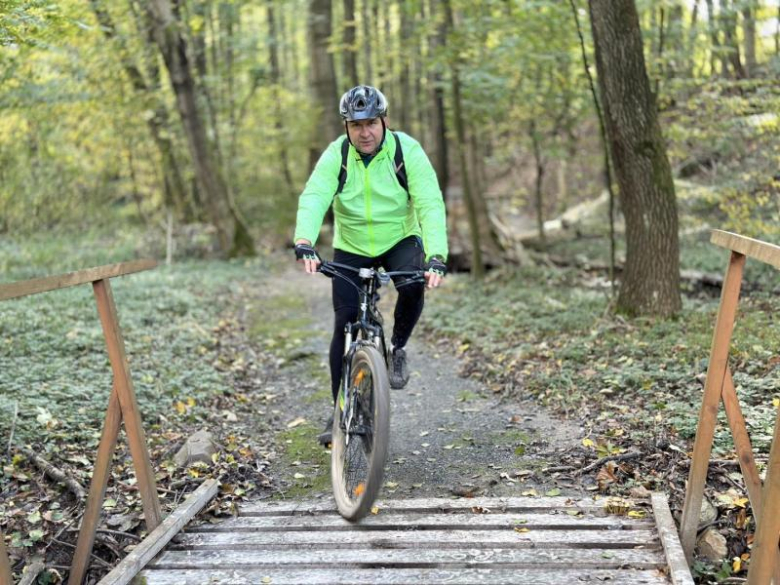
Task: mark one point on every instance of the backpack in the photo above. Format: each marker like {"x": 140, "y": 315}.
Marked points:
{"x": 398, "y": 164}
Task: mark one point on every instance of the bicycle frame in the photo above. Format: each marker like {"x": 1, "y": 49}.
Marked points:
{"x": 367, "y": 329}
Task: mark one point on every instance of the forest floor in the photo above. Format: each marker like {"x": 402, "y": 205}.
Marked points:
{"x": 524, "y": 384}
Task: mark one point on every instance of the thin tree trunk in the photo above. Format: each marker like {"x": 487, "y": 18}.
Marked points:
{"x": 350, "y": 43}
{"x": 691, "y": 48}
{"x": 477, "y": 267}
{"x": 605, "y": 148}
{"x": 729, "y": 13}
{"x": 715, "y": 48}
{"x": 323, "y": 79}
{"x": 273, "y": 57}
{"x": 538, "y": 199}
{"x": 234, "y": 239}
{"x": 749, "y": 12}
{"x": 652, "y": 276}
{"x": 438, "y": 119}
{"x": 366, "y": 42}
{"x": 405, "y": 102}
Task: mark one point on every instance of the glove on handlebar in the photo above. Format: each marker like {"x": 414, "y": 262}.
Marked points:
{"x": 305, "y": 252}
{"x": 436, "y": 265}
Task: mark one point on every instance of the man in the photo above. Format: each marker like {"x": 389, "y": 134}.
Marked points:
{"x": 378, "y": 222}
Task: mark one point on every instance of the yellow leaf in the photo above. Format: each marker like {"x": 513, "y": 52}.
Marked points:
{"x": 736, "y": 566}
{"x": 741, "y": 502}
{"x": 190, "y": 401}
{"x": 776, "y": 402}
{"x": 521, "y": 529}
{"x": 180, "y": 407}
{"x": 588, "y": 443}
{"x": 375, "y": 510}
{"x": 637, "y": 514}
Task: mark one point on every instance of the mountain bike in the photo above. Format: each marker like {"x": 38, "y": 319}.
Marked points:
{"x": 361, "y": 416}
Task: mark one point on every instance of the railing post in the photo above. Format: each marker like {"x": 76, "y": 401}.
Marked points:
{"x": 5, "y": 564}
{"x": 130, "y": 413}
{"x": 763, "y": 563}
{"x": 97, "y": 490}
{"x": 713, "y": 388}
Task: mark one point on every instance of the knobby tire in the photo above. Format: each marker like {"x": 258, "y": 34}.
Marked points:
{"x": 363, "y": 460}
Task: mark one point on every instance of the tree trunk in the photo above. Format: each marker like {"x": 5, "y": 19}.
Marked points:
{"x": 157, "y": 124}
{"x": 366, "y": 43}
{"x": 273, "y": 57}
{"x": 538, "y": 199}
{"x": 350, "y": 44}
{"x": 234, "y": 239}
{"x": 716, "y": 52}
{"x": 749, "y": 12}
{"x": 405, "y": 103}
{"x": 729, "y": 13}
{"x": 438, "y": 119}
{"x": 477, "y": 267}
{"x": 322, "y": 74}
{"x": 691, "y": 45}
{"x": 651, "y": 281}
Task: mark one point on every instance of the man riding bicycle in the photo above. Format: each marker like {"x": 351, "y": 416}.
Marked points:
{"x": 388, "y": 211}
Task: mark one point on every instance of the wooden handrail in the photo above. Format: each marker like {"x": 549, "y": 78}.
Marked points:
{"x": 49, "y": 283}
{"x": 763, "y": 251}
{"x": 719, "y": 388}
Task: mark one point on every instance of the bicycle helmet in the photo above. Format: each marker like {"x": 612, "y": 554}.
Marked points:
{"x": 362, "y": 103}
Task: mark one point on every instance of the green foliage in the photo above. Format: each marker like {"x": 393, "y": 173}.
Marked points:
{"x": 54, "y": 366}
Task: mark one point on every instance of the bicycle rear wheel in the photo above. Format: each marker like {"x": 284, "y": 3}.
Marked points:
{"x": 359, "y": 448}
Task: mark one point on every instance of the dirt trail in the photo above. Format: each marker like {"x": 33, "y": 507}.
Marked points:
{"x": 449, "y": 435}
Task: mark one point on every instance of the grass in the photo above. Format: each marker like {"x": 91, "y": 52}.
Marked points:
{"x": 301, "y": 446}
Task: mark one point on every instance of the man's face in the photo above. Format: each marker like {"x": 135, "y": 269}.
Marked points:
{"x": 366, "y": 135}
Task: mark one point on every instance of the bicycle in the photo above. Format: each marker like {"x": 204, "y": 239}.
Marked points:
{"x": 361, "y": 416}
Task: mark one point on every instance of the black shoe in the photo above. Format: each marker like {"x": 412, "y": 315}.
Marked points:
{"x": 399, "y": 372}
{"x": 325, "y": 438}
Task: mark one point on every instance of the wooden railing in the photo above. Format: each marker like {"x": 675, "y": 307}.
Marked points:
{"x": 122, "y": 406}
{"x": 718, "y": 386}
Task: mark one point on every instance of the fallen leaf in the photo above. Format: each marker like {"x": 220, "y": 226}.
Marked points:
{"x": 296, "y": 423}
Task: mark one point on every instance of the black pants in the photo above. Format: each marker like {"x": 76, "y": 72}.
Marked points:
{"x": 405, "y": 255}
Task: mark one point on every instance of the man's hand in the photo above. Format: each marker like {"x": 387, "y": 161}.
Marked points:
{"x": 304, "y": 252}
{"x": 435, "y": 269}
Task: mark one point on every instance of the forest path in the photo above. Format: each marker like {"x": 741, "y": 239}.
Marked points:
{"x": 449, "y": 435}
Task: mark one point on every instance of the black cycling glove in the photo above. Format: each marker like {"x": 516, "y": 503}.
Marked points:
{"x": 436, "y": 265}
{"x": 305, "y": 252}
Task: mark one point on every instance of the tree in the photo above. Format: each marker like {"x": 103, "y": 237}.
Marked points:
{"x": 234, "y": 239}
{"x": 651, "y": 278}
{"x": 322, "y": 75}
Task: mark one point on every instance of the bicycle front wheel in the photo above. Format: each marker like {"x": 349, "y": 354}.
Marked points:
{"x": 361, "y": 432}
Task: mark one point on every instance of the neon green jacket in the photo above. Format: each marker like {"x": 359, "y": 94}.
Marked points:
{"x": 373, "y": 212}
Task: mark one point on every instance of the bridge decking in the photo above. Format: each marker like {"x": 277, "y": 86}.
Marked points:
{"x": 466, "y": 541}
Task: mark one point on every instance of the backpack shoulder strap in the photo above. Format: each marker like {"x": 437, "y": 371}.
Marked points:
{"x": 343, "y": 169}
{"x": 398, "y": 163}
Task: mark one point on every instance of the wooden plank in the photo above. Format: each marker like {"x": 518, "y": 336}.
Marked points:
{"x": 5, "y": 564}
{"x": 97, "y": 490}
{"x": 675, "y": 557}
{"x": 763, "y": 562}
{"x": 130, "y": 412}
{"x": 455, "y": 505}
{"x": 713, "y": 385}
{"x": 763, "y": 251}
{"x": 408, "y": 539}
{"x": 159, "y": 537}
{"x": 549, "y": 521}
{"x": 352, "y": 558}
{"x": 49, "y": 283}
{"x": 439, "y": 576}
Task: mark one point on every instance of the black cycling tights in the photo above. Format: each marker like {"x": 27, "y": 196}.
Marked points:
{"x": 405, "y": 255}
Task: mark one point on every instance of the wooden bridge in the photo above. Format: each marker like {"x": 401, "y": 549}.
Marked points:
{"x": 465, "y": 541}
